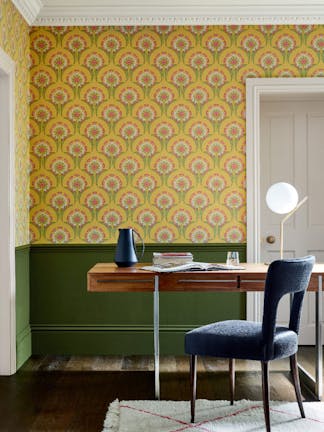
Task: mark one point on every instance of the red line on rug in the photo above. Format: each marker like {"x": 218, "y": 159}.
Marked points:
{"x": 187, "y": 424}
{"x": 193, "y": 426}
{"x": 295, "y": 415}
{"x": 154, "y": 414}
{"x": 200, "y": 424}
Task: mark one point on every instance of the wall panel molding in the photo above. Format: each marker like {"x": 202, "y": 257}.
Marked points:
{"x": 107, "y": 339}
{"x": 23, "y": 345}
{"x": 23, "y": 330}
{"x": 66, "y": 319}
{"x": 149, "y": 248}
{"x": 147, "y": 328}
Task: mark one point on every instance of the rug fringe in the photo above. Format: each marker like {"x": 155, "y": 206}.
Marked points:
{"x": 111, "y": 423}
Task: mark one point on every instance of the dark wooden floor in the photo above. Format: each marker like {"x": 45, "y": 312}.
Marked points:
{"x": 72, "y": 393}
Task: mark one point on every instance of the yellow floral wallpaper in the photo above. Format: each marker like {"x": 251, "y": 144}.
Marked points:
{"x": 145, "y": 127}
{"x": 14, "y": 40}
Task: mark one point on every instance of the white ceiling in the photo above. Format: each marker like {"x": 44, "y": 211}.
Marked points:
{"x": 170, "y": 12}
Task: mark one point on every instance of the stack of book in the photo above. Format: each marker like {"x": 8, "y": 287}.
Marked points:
{"x": 171, "y": 259}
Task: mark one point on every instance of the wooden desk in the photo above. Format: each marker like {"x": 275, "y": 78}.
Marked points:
{"x": 107, "y": 277}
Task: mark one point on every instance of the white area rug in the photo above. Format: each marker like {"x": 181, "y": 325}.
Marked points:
{"x": 220, "y": 416}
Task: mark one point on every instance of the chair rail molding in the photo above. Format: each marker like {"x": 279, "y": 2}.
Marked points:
{"x": 256, "y": 88}
{"x": 179, "y": 12}
{"x": 7, "y": 218}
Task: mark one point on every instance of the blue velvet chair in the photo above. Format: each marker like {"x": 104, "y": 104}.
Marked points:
{"x": 257, "y": 341}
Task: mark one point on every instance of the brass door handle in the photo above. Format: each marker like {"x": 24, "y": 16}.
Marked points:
{"x": 271, "y": 239}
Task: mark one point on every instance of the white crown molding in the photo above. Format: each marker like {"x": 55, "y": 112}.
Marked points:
{"x": 171, "y": 12}
{"x": 29, "y": 9}
{"x": 176, "y": 20}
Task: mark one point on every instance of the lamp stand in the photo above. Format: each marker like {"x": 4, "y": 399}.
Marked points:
{"x": 285, "y": 219}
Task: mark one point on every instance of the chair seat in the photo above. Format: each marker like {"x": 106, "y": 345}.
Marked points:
{"x": 239, "y": 339}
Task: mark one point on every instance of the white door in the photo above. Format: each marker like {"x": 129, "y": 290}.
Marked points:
{"x": 292, "y": 150}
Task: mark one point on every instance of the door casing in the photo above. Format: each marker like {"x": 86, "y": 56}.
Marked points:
{"x": 255, "y": 89}
{"x": 7, "y": 217}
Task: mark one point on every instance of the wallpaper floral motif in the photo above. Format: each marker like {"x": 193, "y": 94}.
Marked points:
{"x": 145, "y": 127}
{"x": 14, "y": 40}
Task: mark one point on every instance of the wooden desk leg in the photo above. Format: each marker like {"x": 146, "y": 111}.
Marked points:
{"x": 156, "y": 338}
{"x": 318, "y": 335}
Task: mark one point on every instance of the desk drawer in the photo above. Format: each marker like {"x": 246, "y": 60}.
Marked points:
{"x": 252, "y": 282}
{"x": 313, "y": 283}
{"x": 256, "y": 283}
{"x": 120, "y": 283}
{"x": 200, "y": 281}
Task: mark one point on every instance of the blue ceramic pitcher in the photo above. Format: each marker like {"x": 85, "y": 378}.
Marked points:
{"x": 125, "y": 255}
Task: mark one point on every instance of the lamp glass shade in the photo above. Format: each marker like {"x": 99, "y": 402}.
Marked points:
{"x": 282, "y": 198}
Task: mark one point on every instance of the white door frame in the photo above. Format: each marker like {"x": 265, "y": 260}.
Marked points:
{"x": 7, "y": 217}
{"x": 255, "y": 89}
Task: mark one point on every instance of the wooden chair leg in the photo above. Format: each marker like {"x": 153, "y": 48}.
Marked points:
{"x": 232, "y": 379}
{"x": 266, "y": 394}
{"x": 193, "y": 385}
{"x": 296, "y": 382}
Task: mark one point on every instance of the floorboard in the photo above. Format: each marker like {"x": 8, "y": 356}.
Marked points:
{"x": 63, "y": 393}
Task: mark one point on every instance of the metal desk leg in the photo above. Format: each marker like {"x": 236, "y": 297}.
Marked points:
{"x": 318, "y": 341}
{"x": 156, "y": 338}
{"x": 316, "y": 384}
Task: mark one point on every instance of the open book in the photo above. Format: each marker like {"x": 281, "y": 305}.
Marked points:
{"x": 193, "y": 266}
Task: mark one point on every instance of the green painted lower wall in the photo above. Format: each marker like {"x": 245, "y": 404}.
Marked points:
{"x": 23, "y": 331}
{"x": 66, "y": 319}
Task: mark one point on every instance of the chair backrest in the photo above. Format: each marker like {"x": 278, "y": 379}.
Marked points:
{"x": 284, "y": 277}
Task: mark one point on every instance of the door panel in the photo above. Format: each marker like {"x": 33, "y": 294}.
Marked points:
{"x": 292, "y": 151}
{"x": 315, "y": 172}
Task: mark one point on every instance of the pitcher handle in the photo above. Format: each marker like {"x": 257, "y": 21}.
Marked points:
{"x": 143, "y": 245}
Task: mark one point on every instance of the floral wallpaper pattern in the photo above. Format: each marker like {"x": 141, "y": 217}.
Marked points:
{"x": 14, "y": 40}
{"x": 145, "y": 127}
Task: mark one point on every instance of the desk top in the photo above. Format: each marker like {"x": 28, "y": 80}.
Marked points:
{"x": 249, "y": 268}
{"x": 105, "y": 277}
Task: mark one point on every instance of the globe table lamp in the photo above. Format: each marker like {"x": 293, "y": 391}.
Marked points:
{"x": 282, "y": 198}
